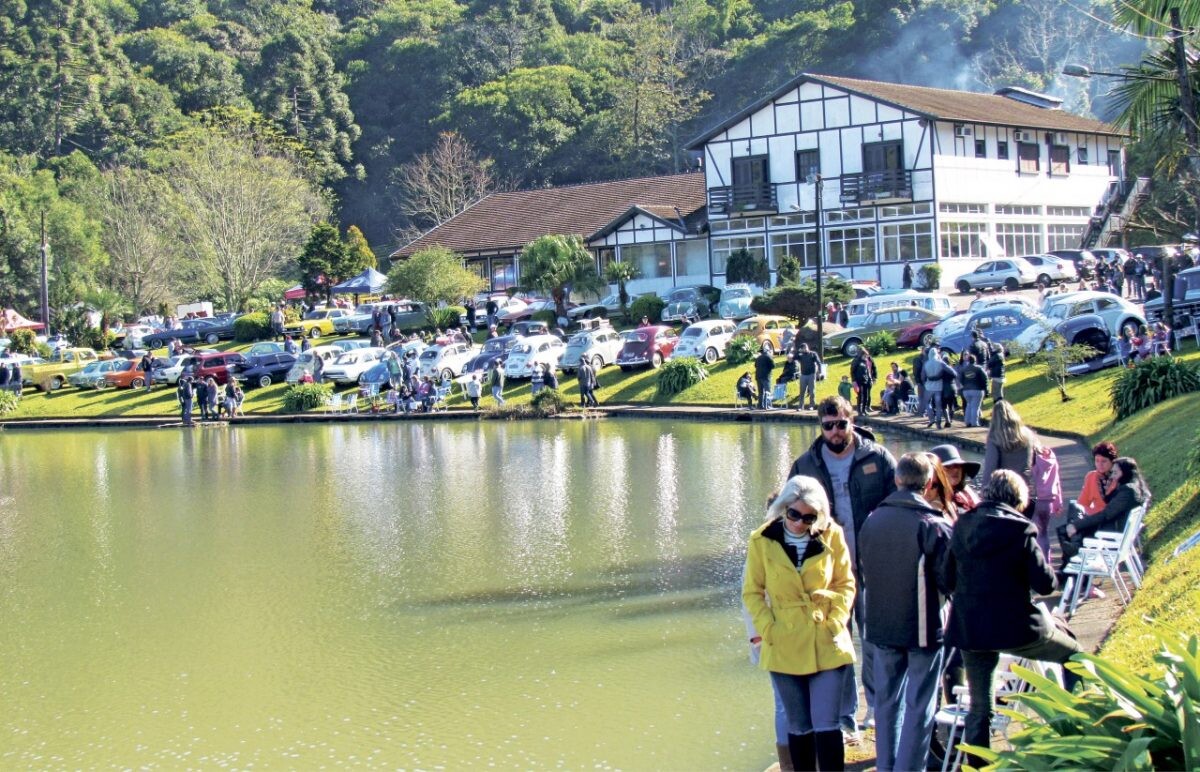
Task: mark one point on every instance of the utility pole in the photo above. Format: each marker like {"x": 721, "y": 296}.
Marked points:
{"x": 45, "y": 295}
{"x": 818, "y": 182}
{"x": 1188, "y": 108}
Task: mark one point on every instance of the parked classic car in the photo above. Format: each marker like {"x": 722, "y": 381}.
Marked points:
{"x": 545, "y": 350}
{"x": 647, "y": 346}
{"x": 764, "y": 329}
{"x": 688, "y": 304}
{"x": 92, "y": 374}
{"x": 264, "y": 369}
{"x": 893, "y": 320}
{"x": 306, "y": 361}
{"x": 1117, "y": 313}
{"x": 351, "y": 365}
{"x": 445, "y": 360}
{"x": 599, "y": 346}
{"x": 735, "y": 300}
{"x": 126, "y": 375}
{"x": 316, "y": 323}
{"x": 706, "y": 340}
{"x": 51, "y": 374}
{"x": 1000, "y": 324}
{"x": 494, "y": 349}
{"x": 217, "y": 365}
{"x": 1011, "y": 273}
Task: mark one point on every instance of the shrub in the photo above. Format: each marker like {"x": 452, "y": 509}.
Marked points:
{"x": 744, "y": 266}
{"x": 291, "y": 314}
{"x": 306, "y": 396}
{"x": 679, "y": 374}
{"x": 741, "y": 350}
{"x": 549, "y": 317}
{"x": 252, "y": 327}
{"x": 650, "y": 306}
{"x": 931, "y": 276}
{"x": 1152, "y": 381}
{"x": 445, "y": 318}
{"x": 95, "y": 338}
{"x": 1120, "y": 720}
{"x": 23, "y": 342}
{"x": 8, "y": 402}
{"x": 882, "y": 342}
{"x": 548, "y": 402}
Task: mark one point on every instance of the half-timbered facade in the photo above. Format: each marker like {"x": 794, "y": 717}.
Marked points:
{"x": 905, "y": 172}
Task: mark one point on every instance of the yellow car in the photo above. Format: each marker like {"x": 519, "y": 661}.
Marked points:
{"x": 316, "y": 323}
{"x": 764, "y": 329}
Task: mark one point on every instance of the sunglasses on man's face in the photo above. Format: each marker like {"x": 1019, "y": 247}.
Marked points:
{"x": 840, "y": 423}
{"x": 808, "y": 518}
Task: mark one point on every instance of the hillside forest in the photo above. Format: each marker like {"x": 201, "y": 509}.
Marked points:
{"x": 155, "y": 136}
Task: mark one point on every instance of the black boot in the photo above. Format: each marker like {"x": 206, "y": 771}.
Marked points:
{"x": 831, "y": 756}
{"x": 803, "y": 752}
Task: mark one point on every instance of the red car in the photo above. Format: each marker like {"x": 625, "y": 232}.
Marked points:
{"x": 217, "y": 365}
{"x": 920, "y": 334}
{"x": 126, "y": 375}
{"x": 647, "y": 346}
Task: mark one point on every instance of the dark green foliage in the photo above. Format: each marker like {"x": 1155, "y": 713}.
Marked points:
{"x": 548, "y": 402}
{"x": 882, "y": 342}
{"x": 741, "y": 350}
{"x": 8, "y": 402}
{"x": 931, "y": 276}
{"x": 325, "y": 260}
{"x": 306, "y": 396}
{"x": 743, "y": 266}
{"x": 679, "y": 374}
{"x": 95, "y": 338}
{"x": 788, "y": 272}
{"x": 650, "y": 306}
{"x": 445, "y": 318}
{"x": 23, "y": 342}
{"x": 1120, "y": 720}
{"x": 252, "y": 327}
{"x": 1152, "y": 381}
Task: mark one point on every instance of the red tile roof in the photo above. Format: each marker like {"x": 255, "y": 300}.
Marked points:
{"x": 505, "y": 222}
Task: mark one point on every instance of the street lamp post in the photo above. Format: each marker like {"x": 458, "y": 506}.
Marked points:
{"x": 816, "y": 180}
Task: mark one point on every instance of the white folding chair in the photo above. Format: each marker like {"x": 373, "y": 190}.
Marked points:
{"x": 954, "y": 717}
{"x": 913, "y": 405}
{"x": 440, "y": 395}
{"x": 351, "y": 403}
{"x": 334, "y": 402}
{"x": 1103, "y": 556}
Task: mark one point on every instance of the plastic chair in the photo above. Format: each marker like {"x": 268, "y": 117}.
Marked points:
{"x": 1103, "y": 556}
{"x": 335, "y": 403}
{"x": 779, "y": 396}
{"x": 913, "y": 404}
{"x": 440, "y": 395}
{"x": 954, "y": 717}
{"x": 351, "y": 404}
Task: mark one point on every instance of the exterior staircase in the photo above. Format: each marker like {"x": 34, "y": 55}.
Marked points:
{"x": 1120, "y": 203}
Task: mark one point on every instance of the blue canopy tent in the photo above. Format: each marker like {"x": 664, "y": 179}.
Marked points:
{"x": 368, "y": 282}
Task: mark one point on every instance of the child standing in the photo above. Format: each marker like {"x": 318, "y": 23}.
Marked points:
{"x": 845, "y": 390}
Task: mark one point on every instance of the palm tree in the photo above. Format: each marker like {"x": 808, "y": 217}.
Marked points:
{"x": 109, "y": 304}
{"x": 558, "y": 265}
{"x": 621, "y": 274}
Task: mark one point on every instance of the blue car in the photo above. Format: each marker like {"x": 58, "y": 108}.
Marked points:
{"x": 1001, "y": 324}
{"x": 494, "y": 349}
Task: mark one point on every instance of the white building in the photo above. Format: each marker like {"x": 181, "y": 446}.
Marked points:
{"x": 906, "y": 172}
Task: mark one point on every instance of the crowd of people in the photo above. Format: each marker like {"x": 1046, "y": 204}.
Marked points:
{"x": 936, "y": 576}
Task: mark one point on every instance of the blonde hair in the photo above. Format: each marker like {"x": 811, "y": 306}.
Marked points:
{"x": 808, "y": 491}
{"x": 1007, "y": 431}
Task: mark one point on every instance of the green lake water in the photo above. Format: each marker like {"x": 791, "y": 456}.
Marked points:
{"x": 409, "y": 594}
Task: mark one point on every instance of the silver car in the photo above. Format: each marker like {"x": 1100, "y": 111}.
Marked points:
{"x": 1051, "y": 269}
{"x": 1116, "y": 312}
{"x": 599, "y": 346}
{"x": 1012, "y": 273}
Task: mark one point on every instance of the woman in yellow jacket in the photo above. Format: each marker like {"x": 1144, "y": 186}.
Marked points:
{"x": 799, "y": 590}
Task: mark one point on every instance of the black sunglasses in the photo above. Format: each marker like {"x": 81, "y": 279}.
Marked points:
{"x": 801, "y": 517}
{"x": 829, "y": 426}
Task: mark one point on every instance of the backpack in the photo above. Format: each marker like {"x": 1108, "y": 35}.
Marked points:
{"x": 1047, "y": 484}
{"x": 932, "y": 369}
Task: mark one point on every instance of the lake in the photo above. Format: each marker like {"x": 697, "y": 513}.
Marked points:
{"x": 400, "y": 594}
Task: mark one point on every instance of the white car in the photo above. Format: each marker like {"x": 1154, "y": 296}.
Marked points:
{"x": 175, "y": 368}
{"x": 305, "y": 362}
{"x": 1116, "y": 312}
{"x": 1052, "y": 268}
{"x": 1012, "y": 273}
{"x": 446, "y": 360}
{"x": 130, "y": 336}
{"x": 536, "y": 349}
{"x": 1001, "y": 300}
{"x": 351, "y": 365}
{"x": 705, "y": 340}
{"x": 599, "y": 346}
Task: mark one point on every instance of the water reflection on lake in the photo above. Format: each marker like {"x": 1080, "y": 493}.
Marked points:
{"x": 403, "y": 595}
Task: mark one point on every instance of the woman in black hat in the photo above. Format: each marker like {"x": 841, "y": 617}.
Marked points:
{"x": 958, "y": 472}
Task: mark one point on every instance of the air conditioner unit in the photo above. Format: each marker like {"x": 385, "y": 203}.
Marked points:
{"x": 1058, "y": 138}
{"x": 962, "y": 131}
{"x": 1024, "y": 136}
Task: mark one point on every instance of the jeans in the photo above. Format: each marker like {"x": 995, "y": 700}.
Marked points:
{"x": 974, "y": 400}
{"x": 186, "y": 414}
{"x": 997, "y": 390}
{"x": 934, "y": 413}
{"x": 808, "y": 385}
{"x": 781, "y": 720}
{"x": 866, "y": 667}
{"x": 498, "y": 394}
{"x": 981, "y": 667}
{"x": 906, "y": 682}
{"x": 811, "y": 702}
{"x": 764, "y": 394}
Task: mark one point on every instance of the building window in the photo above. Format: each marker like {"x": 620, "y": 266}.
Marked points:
{"x": 907, "y": 241}
{"x": 1114, "y": 163}
{"x": 653, "y": 261}
{"x": 849, "y": 215}
{"x": 1063, "y": 236}
{"x": 1002, "y": 151}
{"x": 733, "y": 226}
{"x": 691, "y": 258}
{"x": 751, "y": 182}
{"x": 905, "y": 210}
{"x": 808, "y": 162}
{"x": 981, "y": 148}
{"x": 801, "y": 245}
{"x": 851, "y": 246}
{"x": 1022, "y": 210}
{"x": 955, "y": 208}
{"x": 1028, "y": 160}
{"x": 1060, "y": 160}
{"x": 1019, "y": 238}
{"x": 723, "y": 248}
{"x": 1082, "y": 155}
{"x": 604, "y": 256}
{"x": 963, "y": 239}
{"x": 794, "y": 220}
{"x": 504, "y": 273}
{"x": 1067, "y": 211}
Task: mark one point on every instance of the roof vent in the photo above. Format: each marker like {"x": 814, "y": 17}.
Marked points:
{"x": 1025, "y": 96}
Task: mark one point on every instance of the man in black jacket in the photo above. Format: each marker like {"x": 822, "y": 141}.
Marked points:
{"x": 857, "y": 474}
{"x": 991, "y": 568}
{"x": 763, "y": 365}
{"x": 810, "y": 370}
{"x": 899, "y": 549}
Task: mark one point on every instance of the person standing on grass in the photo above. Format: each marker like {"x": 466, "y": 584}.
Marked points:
{"x": 974, "y": 386}
{"x": 864, "y": 374}
{"x": 810, "y": 370}
{"x": 995, "y": 371}
{"x": 764, "y": 363}
{"x": 497, "y": 382}
{"x": 200, "y": 390}
{"x": 474, "y": 391}
{"x": 184, "y": 393}
{"x": 587, "y": 384}
{"x": 899, "y": 549}
{"x": 147, "y": 367}
{"x": 857, "y": 475}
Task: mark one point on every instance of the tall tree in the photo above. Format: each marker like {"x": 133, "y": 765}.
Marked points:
{"x": 324, "y": 261}
{"x": 439, "y": 184}
{"x": 434, "y": 275}
{"x": 558, "y": 264}
{"x": 242, "y": 210}
{"x": 359, "y": 255}
{"x": 142, "y": 263}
